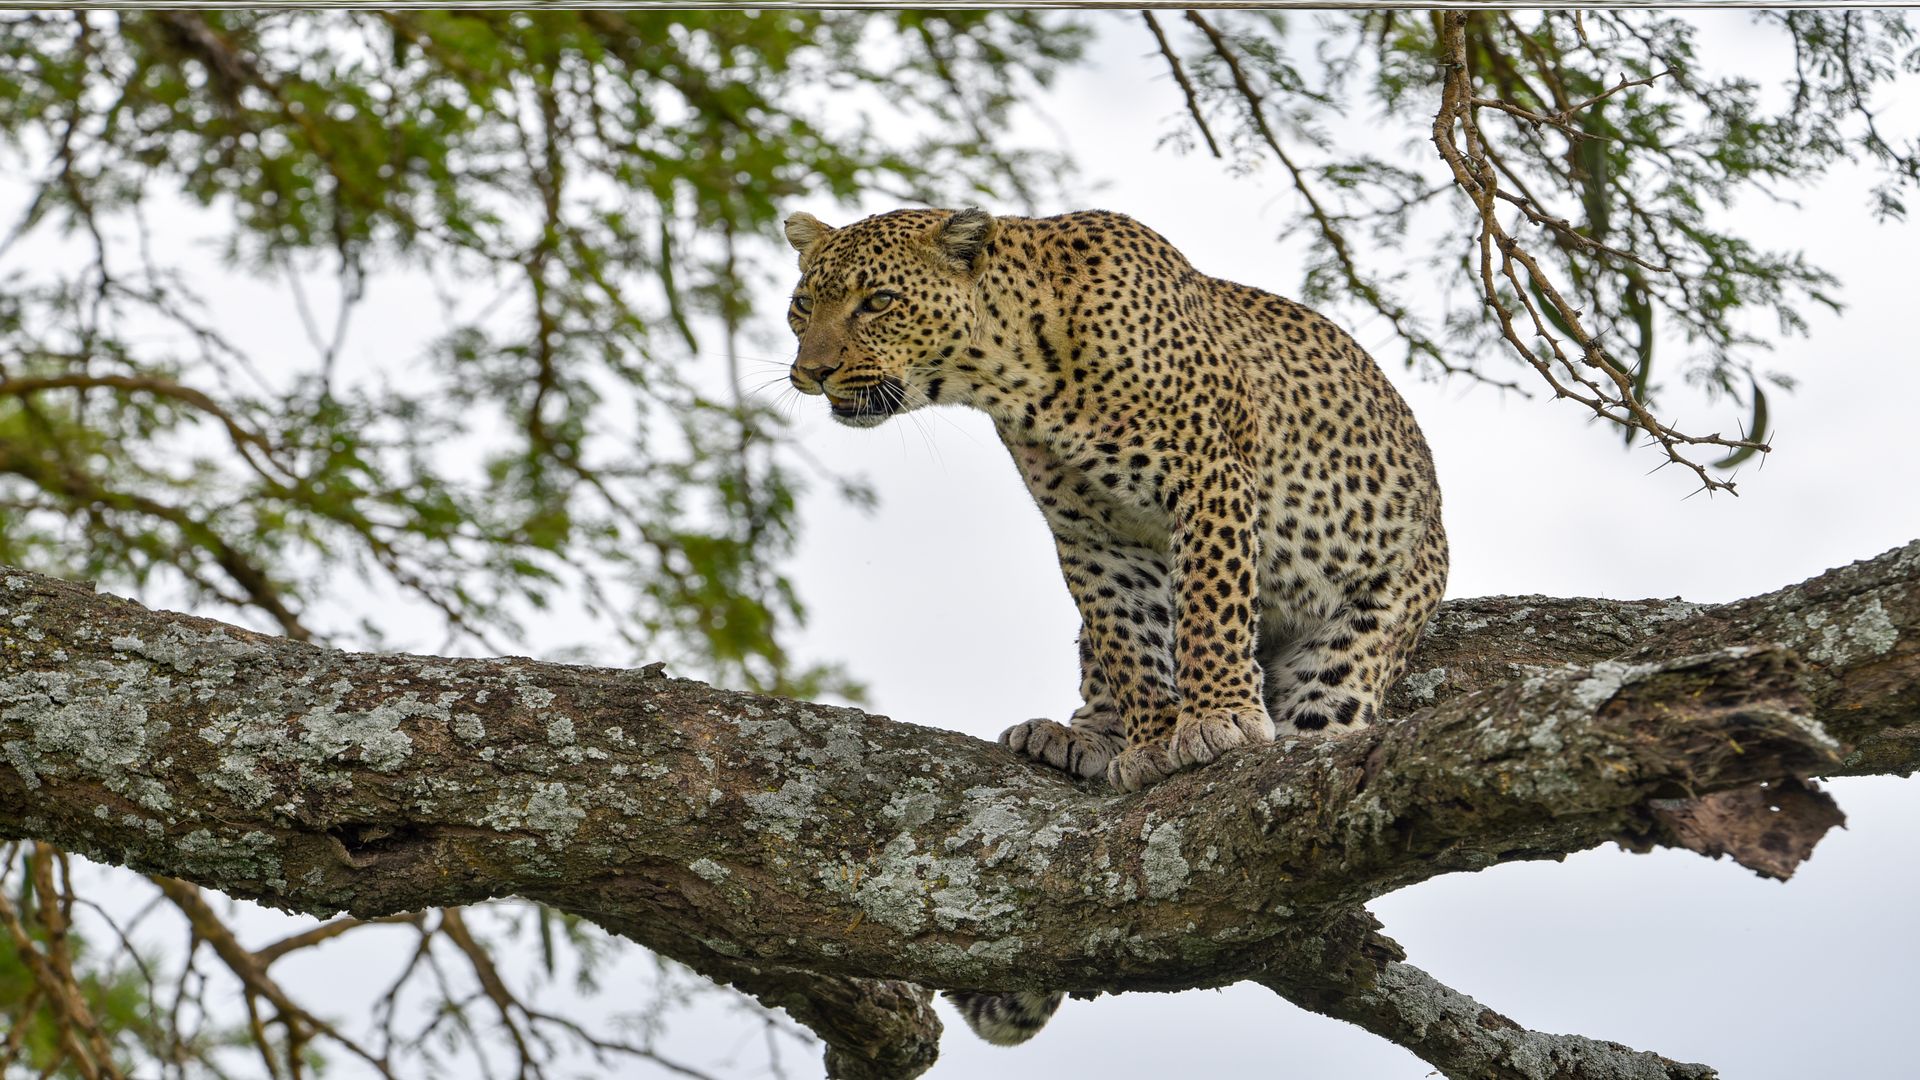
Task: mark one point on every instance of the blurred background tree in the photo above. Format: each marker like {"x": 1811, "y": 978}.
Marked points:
{"x": 593, "y": 198}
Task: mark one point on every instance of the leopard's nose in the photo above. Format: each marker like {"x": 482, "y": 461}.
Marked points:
{"x": 816, "y": 371}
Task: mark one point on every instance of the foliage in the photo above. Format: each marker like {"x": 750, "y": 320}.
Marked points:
{"x": 584, "y": 175}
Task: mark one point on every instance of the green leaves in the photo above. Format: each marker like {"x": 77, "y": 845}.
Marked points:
{"x": 588, "y": 190}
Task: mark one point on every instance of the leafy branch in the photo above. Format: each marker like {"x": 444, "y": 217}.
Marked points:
{"x": 1606, "y": 160}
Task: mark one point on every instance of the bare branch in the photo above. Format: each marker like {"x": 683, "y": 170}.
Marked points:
{"x": 325, "y": 931}
{"x": 300, "y": 1024}
{"x": 1466, "y": 1039}
{"x": 1186, "y": 86}
{"x": 1559, "y": 120}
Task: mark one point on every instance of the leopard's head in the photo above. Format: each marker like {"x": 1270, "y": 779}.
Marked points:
{"x": 882, "y": 307}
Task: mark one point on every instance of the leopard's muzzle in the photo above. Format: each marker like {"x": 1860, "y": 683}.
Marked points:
{"x": 869, "y": 404}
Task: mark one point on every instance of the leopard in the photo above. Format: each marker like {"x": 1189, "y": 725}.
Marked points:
{"x": 1246, "y": 514}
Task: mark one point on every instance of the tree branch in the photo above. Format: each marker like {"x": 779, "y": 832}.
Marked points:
{"x": 824, "y": 859}
{"x": 1467, "y": 1039}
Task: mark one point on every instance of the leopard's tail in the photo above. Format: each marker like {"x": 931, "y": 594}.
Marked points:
{"x": 1006, "y": 1019}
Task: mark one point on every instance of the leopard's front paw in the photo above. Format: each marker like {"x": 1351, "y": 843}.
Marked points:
{"x": 1141, "y": 767}
{"x": 1200, "y": 735}
{"x": 1076, "y": 750}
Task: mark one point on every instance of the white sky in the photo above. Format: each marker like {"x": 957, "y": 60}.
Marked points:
{"x": 971, "y": 629}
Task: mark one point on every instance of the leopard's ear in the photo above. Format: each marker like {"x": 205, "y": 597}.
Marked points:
{"x": 964, "y": 236}
{"x": 803, "y": 231}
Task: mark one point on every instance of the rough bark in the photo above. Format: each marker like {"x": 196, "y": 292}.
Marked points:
{"x": 834, "y": 862}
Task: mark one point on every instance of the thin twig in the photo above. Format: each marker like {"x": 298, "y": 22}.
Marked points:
{"x": 1186, "y": 86}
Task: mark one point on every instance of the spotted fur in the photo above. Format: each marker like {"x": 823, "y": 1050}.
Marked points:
{"x": 1005, "y": 1019}
{"x": 1244, "y": 510}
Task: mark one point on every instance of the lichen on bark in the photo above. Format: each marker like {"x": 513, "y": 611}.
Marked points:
{"x": 827, "y": 860}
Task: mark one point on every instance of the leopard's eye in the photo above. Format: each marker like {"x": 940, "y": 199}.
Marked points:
{"x": 877, "y": 303}
{"x": 803, "y": 304}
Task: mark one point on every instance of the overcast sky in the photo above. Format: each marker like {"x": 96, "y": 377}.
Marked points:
{"x": 972, "y": 629}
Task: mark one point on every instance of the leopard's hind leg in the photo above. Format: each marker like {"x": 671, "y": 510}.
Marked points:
{"x": 1336, "y": 674}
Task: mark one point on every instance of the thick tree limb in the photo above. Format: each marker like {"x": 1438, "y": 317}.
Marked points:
{"x": 1856, "y": 629}
{"x": 822, "y": 858}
